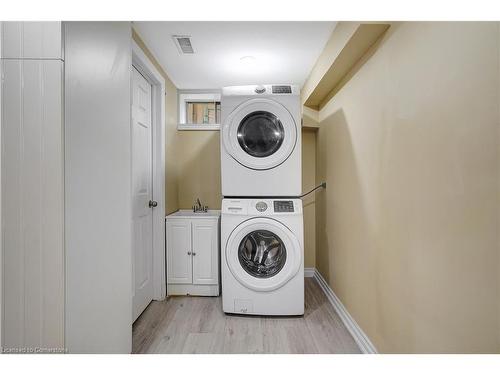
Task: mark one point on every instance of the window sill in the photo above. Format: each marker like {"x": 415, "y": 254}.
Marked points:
{"x": 198, "y": 127}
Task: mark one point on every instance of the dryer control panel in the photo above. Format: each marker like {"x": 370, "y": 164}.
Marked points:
{"x": 261, "y": 206}
{"x": 282, "y": 89}
{"x": 261, "y": 90}
{"x": 283, "y": 206}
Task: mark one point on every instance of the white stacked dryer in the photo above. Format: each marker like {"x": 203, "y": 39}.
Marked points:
{"x": 261, "y": 141}
{"x": 262, "y": 243}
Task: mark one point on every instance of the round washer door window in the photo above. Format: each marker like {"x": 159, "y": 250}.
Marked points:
{"x": 262, "y": 253}
{"x": 260, "y": 134}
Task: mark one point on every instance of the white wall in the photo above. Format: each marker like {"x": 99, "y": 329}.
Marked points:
{"x": 98, "y": 198}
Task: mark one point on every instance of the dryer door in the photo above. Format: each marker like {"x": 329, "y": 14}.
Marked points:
{"x": 260, "y": 134}
{"x": 263, "y": 254}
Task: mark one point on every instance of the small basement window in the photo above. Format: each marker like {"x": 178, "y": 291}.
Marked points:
{"x": 199, "y": 110}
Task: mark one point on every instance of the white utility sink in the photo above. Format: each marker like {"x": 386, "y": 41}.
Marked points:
{"x": 190, "y": 214}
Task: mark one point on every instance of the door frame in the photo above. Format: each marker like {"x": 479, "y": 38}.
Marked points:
{"x": 142, "y": 63}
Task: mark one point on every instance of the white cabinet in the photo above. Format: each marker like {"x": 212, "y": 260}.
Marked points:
{"x": 193, "y": 253}
{"x": 179, "y": 255}
{"x": 31, "y": 40}
{"x": 32, "y": 185}
{"x": 205, "y": 247}
{"x": 65, "y": 187}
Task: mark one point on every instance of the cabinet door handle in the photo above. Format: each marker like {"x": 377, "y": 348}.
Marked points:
{"x": 189, "y": 252}
{"x": 194, "y": 253}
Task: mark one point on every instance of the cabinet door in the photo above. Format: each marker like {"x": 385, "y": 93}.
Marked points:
{"x": 205, "y": 252}
{"x": 31, "y": 40}
{"x": 179, "y": 267}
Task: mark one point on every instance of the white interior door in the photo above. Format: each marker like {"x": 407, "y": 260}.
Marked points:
{"x": 142, "y": 176}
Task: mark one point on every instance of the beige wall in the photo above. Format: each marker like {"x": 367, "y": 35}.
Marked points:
{"x": 171, "y": 167}
{"x": 199, "y": 168}
{"x": 407, "y": 228}
{"x": 309, "y": 202}
{"x": 498, "y": 197}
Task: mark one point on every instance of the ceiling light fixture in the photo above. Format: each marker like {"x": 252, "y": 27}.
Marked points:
{"x": 248, "y": 60}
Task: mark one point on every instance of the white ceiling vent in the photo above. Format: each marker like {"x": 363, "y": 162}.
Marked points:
{"x": 183, "y": 43}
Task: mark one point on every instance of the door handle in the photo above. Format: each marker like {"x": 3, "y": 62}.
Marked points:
{"x": 153, "y": 204}
{"x": 194, "y": 253}
{"x": 189, "y": 252}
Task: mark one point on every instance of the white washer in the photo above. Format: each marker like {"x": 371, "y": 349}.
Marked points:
{"x": 261, "y": 141}
{"x": 262, "y": 258}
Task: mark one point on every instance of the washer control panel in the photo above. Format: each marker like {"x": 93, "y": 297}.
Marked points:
{"x": 261, "y": 206}
{"x": 283, "y": 206}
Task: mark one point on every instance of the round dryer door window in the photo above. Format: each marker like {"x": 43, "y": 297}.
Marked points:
{"x": 263, "y": 254}
{"x": 259, "y": 134}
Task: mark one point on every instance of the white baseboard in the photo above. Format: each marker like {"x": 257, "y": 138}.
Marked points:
{"x": 309, "y": 271}
{"x": 364, "y": 343}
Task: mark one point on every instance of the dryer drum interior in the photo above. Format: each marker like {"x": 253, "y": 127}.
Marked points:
{"x": 262, "y": 254}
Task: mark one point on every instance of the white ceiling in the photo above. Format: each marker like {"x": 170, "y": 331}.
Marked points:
{"x": 284, "y": 52}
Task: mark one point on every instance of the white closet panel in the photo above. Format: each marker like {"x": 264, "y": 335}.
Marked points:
{"x": 31, "y": 40}
{"x": 98, "y": 170}
{"x": 66, "y": 194}
{"x": 32, "y": 204}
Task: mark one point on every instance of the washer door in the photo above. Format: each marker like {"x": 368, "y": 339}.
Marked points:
{"x": 260, "y": 134}
{"x": 263, "y": 254}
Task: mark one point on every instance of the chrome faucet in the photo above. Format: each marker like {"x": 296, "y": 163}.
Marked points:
{"x": 198, "y": 207}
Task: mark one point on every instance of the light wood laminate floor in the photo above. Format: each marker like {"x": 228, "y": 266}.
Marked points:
{"x": 185, "y": 324}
